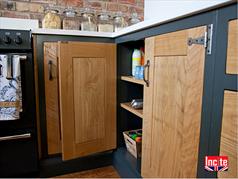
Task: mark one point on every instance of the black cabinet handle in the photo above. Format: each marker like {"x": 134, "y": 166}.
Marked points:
{"x": 147, "y": 65}
{"x": 50, "y": 63}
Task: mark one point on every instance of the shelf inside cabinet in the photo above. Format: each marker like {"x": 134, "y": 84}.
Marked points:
{"x": 132, "y": 80}
{"x": 137, "y": 112}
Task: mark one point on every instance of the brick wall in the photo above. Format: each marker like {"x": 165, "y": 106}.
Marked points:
{"x": 34, "y": 9}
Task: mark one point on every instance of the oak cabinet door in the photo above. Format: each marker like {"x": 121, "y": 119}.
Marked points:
{"x": 52, "y": 97}
{"x": 172, "y": 104}
{"x": 87, "y": 89}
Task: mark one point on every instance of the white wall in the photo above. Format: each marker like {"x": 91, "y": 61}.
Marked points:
{"x": 163, "y": 9}
{"x": 20, "y": 24}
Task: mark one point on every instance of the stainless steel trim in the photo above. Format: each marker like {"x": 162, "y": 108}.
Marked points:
{"x": 21, "y": 57}
{"x": 15, "y": 137}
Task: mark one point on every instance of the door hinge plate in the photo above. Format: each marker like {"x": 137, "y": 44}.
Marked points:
{"x": 205, "y": 40}
{"x": 209, "y": 35}
{"x": 199, "y": 40}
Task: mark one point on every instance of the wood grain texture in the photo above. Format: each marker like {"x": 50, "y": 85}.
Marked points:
{"x": 146, "y": 161}
{"x": 232, "y": 48}
{"x": 68, "y": 51}
{"x": 51, "y": 98}
{"x": 229, "y": 134}
{"x": 132, "y": 80}
{"x": 171, "y": 134}
{"x": 137, "y": 112}
{"x": 89, "y": 98}
{"x": 104, "y": 172}
{"x": 163, "y": 43}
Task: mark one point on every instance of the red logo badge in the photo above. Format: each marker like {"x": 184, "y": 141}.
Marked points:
{"x": 216, "y": 163}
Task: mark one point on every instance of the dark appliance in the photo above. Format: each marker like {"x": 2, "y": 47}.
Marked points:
{"x": 18, "y": 140}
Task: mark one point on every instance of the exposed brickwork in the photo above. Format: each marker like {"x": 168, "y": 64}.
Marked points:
{"x": 34, "y": 9}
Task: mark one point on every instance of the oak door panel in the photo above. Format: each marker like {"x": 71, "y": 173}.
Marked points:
{"x": 163, "y": 43}
{"x": 232, "y": 48}
{"x": 51, "y": 98}
{"x": 89, "y": 93}
{"x": 229, "y": 140}
{"x": 172, "y": 107}
{"x": 87, "y": 83}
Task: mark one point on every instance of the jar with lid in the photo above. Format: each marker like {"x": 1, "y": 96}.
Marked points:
{"x": 104, "y": 23}
{"x": 88, "y": 20}
{"x": 119, "y": 22}
{"x": 51, "y": 19}
{"x": 71, "y": 21}
{"x": 134, "y": 19}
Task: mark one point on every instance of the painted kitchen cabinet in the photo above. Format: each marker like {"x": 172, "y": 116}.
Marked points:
{"x": 190, "y": 102}
{"x": 80, "y": 87}
{"x": 229, "y": 131}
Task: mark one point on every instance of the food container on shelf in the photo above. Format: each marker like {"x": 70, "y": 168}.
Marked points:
{"x": 71, "y": 21}
{"x": 88, "y": 20}
{"x": 119, "y": 22}
{"x": 134, "y": 19}
{"x": 104, "y": 23}
{"x": 51, "y": 19}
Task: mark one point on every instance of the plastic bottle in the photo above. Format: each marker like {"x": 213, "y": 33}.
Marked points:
{"x": 136, "y": 60}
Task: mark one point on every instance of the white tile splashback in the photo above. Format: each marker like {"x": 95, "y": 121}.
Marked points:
{"x": 18, "y": 24}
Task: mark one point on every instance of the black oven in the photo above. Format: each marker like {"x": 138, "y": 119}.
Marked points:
{"x": 18, "y": 139}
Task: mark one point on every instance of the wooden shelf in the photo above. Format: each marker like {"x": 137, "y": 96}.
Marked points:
{"x": 137, "y": 112}
{"x": 132, "y": 80}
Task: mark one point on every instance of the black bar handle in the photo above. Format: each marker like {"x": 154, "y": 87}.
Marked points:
{"x": 50, "y": 63}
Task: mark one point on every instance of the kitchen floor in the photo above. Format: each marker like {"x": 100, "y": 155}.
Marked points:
{"x": 104, "y": 172}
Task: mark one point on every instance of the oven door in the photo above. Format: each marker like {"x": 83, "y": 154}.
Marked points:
{"x": 17, "y": 109}
{"x": 18, "y": 153}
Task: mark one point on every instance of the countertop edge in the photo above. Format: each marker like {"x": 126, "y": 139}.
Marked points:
{"x": 134, "y": 28}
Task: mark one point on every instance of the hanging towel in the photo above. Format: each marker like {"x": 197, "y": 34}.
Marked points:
{"x": 10, "y": 89}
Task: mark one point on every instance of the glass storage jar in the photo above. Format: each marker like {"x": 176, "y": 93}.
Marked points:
{"x": 134, "y": 19}
{"x": 119, "y": 22}
{"x": 51, "y": 19}
{"x": 71, "y": 21}
{"x": 104, "y": 23}
{"x": 88, "y": 20}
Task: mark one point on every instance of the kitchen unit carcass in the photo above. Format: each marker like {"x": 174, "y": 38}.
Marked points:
{"x": 229, "y": 132}
{"x": 183, "y": 117}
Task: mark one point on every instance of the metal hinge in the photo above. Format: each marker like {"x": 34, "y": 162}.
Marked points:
{"x": 205, "y": 40}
